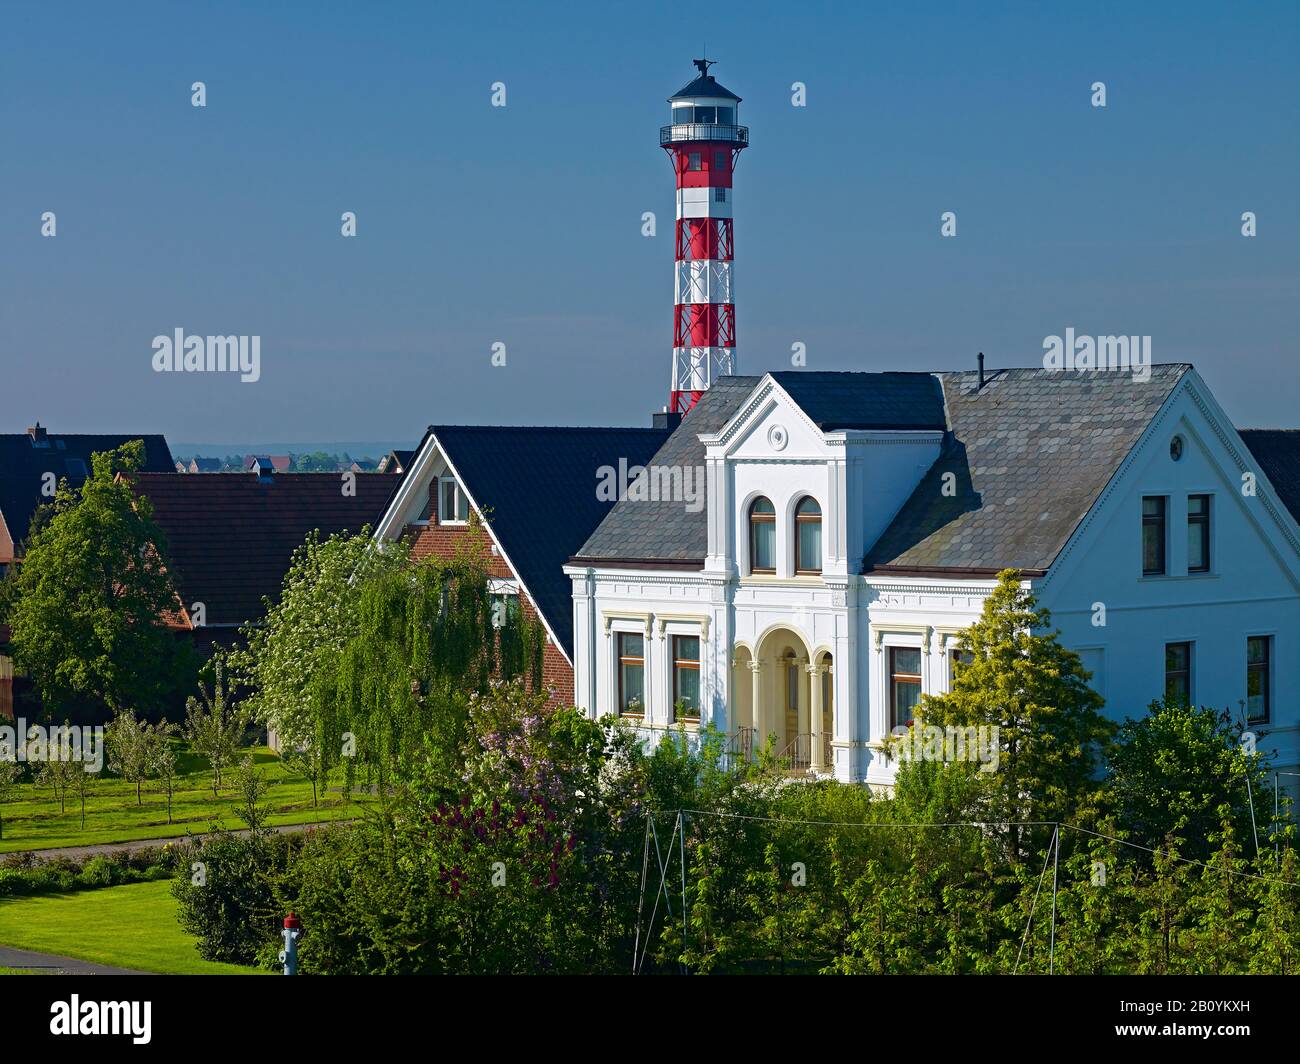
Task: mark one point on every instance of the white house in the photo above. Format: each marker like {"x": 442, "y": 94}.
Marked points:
{"x": 855, "y": 523}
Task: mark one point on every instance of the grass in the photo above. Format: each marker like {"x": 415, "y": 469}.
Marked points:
{"x": 133, "y": 926}
{"x": 33, "y": 820}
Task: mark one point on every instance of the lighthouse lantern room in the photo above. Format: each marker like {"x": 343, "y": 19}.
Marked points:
{"x": 703, "y": 140}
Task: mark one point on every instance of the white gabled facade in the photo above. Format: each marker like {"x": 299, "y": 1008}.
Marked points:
{"x": 807, "y": 657}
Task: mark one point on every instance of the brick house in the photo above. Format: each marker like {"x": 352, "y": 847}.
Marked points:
{"x": 231, "y": 536}
{"x": 526, "y": 499}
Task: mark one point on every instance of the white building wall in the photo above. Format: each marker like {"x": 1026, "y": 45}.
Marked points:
{"x": 1122, "y": 620}
{"x": 860, "y": 480}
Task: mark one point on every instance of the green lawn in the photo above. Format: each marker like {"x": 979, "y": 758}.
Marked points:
{"x": 128, "y": 927}
{"x": 32, "y": 819}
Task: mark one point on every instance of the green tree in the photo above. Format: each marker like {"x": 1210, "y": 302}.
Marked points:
{"x": 163, "y": 763}
{"x": 425, "y": 642}
{"x": 81, "y": 780}
{"x": 314, "y": 763}
{"x": 1052, "y": 735}
{"x": 251, "y": 787}
{"x": 129, "y": 744}
{"x": 307, "y": 628}
{"x": 57, "y": 769}
{"x": 87, "y": 607}
{"x": 10, "y": 773}
{"x": 1173, "y": 771}
{"x": 213, "y": 726}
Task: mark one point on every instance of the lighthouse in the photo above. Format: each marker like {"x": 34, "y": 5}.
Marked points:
{"x": 703, "y": 139}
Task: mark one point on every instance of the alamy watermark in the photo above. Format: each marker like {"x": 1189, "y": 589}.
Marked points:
{"x": 179, "y": 353}
{"x": 929, "y": 742}
{"x": 654, "y": 483}
{"x": 1127, "y": 354}
{"x": 65, "y": 742}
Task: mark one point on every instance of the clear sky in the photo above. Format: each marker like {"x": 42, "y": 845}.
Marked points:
{"x": 522, "y": 224}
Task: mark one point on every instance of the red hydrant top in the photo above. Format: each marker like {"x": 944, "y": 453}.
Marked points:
{"x": 291, "y": 922}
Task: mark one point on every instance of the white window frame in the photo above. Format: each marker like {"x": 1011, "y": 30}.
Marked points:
{"x": 502, "y": 589}
{"x": 460, "y": 493}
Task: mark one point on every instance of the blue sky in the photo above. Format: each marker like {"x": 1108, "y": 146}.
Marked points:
{"x": 523, "y": 224}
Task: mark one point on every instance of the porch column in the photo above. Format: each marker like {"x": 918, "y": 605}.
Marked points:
{"x": 802, "y": 710}
{"x": 815, "y": 683}
{"x": 756, "y": 715}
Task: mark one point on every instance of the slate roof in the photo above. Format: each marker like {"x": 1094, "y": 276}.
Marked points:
{"x": 1278, "y": 453}
{"x": 23, "y": 467}
{"x": 837, "y": 401}
{"x": 230, "y": 536}
{"x": 704, "y": 85}
{"x": 538, "y": 486}
{"x": 666, "y": 531}
{"x": 1031, "y": 451}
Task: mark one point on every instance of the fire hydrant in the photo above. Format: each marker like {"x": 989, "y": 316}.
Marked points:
{"x": 289, "y": 955}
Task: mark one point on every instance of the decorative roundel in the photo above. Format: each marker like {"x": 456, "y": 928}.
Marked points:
{"x": 778, "y": 437}
{"x": 1176, "y": 448}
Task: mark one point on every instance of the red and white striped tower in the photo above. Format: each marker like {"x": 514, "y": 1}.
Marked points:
{"x": 703, "y": 141}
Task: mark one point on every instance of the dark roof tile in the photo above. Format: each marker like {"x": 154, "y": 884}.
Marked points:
{"x": 539, "y": 486}
{"x": 1278, "y": 453}
{"x": 23, "y": 467}
{"x": 230, "y": 536}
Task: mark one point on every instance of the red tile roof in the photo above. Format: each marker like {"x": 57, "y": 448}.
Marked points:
{"x": 230, "y": 536}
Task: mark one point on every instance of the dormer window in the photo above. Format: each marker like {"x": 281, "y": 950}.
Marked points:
{"x": 762, "y": 536}
{"x": 808, "y": 536}
{"x": 453, "y": 506}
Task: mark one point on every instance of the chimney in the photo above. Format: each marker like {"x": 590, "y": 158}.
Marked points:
{"x": 36, "y": 432}
{"x": 665, "y": 419}
{"x": 981, "y": 361}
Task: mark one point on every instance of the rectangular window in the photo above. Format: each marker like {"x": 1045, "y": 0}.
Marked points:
{"x": 1153, "y": 535}
{"x": 631, "y": 674}
{"x": 1258, "y": 687}
{"x": 1178, "y": 673}
{"x": 719, "y": 195}
{"x": 726, "y": 116}
{"x": 505, "y": 607}
{"x": 904, "y": 685}
{"x": 695, "y": 161}
{"x": 686, "y": 677}
{"x": 682, "y": 115}
{"x": 720, "y": 160}
{"x": 1198, "y": 533}
{"x": 707, "y": 115}
{"x": 453, "y": 506}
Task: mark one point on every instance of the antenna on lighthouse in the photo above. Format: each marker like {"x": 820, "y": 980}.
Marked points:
{"x": 703, "y": 140}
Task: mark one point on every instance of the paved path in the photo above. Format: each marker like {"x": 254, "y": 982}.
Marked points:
{"x": 50, "y": 964}
{"x": 142, "y": 844}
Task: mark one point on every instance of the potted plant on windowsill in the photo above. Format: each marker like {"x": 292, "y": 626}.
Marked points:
{"x": 685, "y": 713}
{"x": 633, "y": 708}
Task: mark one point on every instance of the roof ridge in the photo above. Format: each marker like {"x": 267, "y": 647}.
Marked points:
{"x": 549, "y": 428}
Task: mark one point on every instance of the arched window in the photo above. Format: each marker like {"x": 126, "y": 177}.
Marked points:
{"x": 808, "y": 536}
{"x": 762, "y": 536}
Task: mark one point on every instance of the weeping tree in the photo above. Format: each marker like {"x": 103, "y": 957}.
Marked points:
{"x": 306, "y": 628}
{"x": 396, "y": 698}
